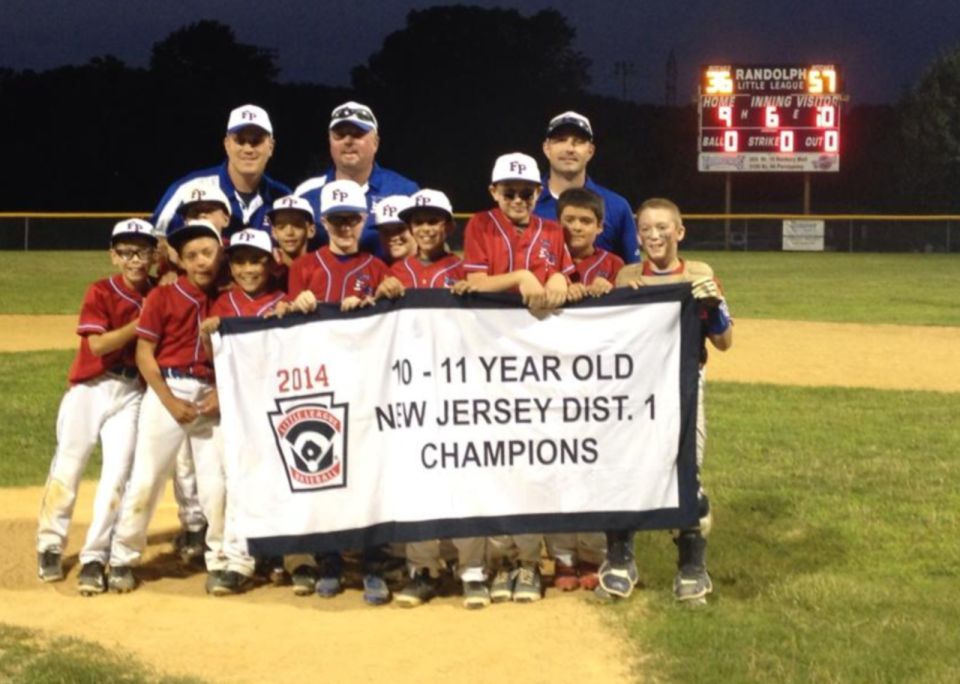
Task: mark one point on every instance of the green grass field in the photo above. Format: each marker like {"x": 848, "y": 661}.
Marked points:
{"x": 31, "y": 657}
{"x": 915, "y": 289}
{"x": 834, "y": 553}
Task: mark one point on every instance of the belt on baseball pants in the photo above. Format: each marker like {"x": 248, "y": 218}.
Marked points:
{"x": 177, "y": 373}
{"x": 129, "y": 372}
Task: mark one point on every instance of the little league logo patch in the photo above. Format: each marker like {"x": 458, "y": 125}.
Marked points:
{"x": 311, "y": 437}
{"x": 546, "y": 254}
{"x": 363, "y": 285}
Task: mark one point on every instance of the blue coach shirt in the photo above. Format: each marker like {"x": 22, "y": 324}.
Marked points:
{"x": 619, "y": 233}
{"x": 252, "y": 214}
{"x": 382, "y": 183}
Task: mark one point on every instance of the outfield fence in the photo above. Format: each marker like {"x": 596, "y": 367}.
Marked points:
{"x": 742, "y": 232}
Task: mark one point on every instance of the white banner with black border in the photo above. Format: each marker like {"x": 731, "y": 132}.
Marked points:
{"x": 437, "y": 416}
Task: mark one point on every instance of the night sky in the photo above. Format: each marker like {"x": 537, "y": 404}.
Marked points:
{"x": 882, "y": 46}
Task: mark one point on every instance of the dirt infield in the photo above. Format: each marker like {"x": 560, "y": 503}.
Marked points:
{"x": 268, "y": 634}
{"x": 769, "y": 351}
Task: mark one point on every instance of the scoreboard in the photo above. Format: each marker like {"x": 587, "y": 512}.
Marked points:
{"x": 770, "y": 118}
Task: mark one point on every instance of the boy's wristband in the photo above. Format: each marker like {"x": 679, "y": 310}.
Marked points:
{"x": 718, "y": 319}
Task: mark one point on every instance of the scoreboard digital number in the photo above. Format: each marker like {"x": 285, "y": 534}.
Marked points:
{"x": 770, "y": 118}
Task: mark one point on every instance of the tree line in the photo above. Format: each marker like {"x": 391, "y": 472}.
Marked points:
{"x": 453, "y": 89}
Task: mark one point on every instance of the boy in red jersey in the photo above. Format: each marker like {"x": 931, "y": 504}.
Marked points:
{"x": 103, "y": 402}
{"x": 395, "y": 239}
{"x": 292, "y": 227}
{"x": 581, "y": 214}
{"x": 339, "y": 272}
{"x": 430, "y": 220}
{"x": 505, "y": 246}
{"x": 510, "y": 248}
{"x": 578, "y": 556}
{"x": 254, "y": 292}
{"x": 180, "y": 406}
{"x": 661, "y": 230}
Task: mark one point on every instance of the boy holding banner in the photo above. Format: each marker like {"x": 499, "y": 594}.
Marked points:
{"x": 430, "y": 220}
{"x": 508, "y": 248}
{"x": 340, "y": 272}
{"x": 661, "y": 230}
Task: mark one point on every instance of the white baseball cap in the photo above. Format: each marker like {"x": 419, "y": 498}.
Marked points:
{"x": 342, "y": 196}
{"x": 191, "y": 230}
{"x": 389, "y": 210}
{"x": 132, "y": 227}
{"x": 428, "y": 199}
{"x": 249, "y": 115}
{"x": 355, "y": 113}
{"x": 515, "y": 166}
{"x": 202, "y": 190}
{"x": 291, "y": 202}
{"x": 251, "y": 237}
{"x": 573, "y": 120}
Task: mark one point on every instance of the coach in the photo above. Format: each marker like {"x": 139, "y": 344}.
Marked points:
{"x": 354, "y": 141}
{"x": 249, "y": 144}
{"x": 569, "y": 147}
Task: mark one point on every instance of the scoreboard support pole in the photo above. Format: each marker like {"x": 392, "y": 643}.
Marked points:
{"x": 727, "y": 208}
{"x": 806, "y": 193}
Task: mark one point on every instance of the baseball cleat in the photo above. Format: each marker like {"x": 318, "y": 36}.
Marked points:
{"x": 122, "y": 579}
{"x": 565, "y": 577}
{"x": 528, "y": 587}
{"x": 191, "y": 545}
{"x": 692, "y": 585}
{"x": 418, "y": 590}
{"x": 226, "y": 582}
{"x": 475, "y": 595}
{"x": 304, "y": 580}
{"x": 50, "y": 565}
{"x": 619, "y": 579}
{"x": 278, "y": 575}
{"x": 501, "y": 589}
{"x": 375, "y": 590}
{"x": 328, "y": 587}
{"x": 91, "y": 580}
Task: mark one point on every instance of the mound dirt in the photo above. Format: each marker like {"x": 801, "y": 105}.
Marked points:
{"x": 268, "y": 634}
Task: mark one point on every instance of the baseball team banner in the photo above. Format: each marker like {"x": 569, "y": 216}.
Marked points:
{"x": 438, "y": 416}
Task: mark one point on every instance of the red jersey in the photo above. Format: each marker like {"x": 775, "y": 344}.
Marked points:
{"x": 108, "y": 305}
{"x": 600, "y": 264}
{"x": 171, "y": 317}
{"x": 300, "y": 271}
{"x": 493, "y": 245}
{"x": 443, "y": 272}
{"x": 337, "y": 277}
{"x": 236, "y": 302}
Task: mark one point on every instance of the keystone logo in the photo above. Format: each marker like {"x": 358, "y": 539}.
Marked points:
{"x": 311, "y": 438}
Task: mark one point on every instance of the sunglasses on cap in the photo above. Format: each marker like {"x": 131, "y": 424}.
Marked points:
{"x": 350, "y": 112}
{"x": 526, "y": 194}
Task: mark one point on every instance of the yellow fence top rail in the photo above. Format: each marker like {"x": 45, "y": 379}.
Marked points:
{"x": 466, "y": 215}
